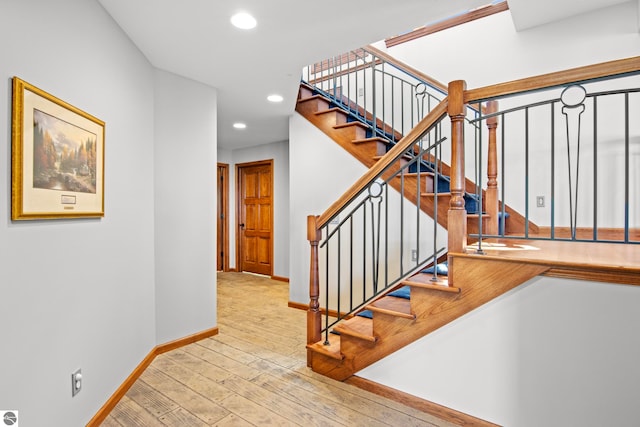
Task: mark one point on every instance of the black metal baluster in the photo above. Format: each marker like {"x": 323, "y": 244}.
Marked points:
{"x": 339, "y": 270}
{"x": 553, "y": 170}
{"x": 626, "y": 167}
{"x": 326, "y": 293}
{"x": 478, "y": 133}
{"x": 351, "y": 263}
{"x": 526, "y": 173}
{"x": 595, "y": 168}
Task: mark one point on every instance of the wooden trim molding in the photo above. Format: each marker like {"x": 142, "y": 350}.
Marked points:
{"x": 442, "y": 412}
{"x": 181, "y": 342}
{"x": 223, "y": 207}
{"x": 298, "y": 305}
{"x": 463, "y": 18}
{"x": 103, "y": 413}
{"x": 280, "y": 279}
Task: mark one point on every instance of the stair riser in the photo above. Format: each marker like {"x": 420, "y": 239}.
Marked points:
{"x": 331, "y": 118}
{"x": 372, "y": 148}
{"x": 352, "y": 132}
{"x": 335, "y": 369}
{"x": 311, "y": 106}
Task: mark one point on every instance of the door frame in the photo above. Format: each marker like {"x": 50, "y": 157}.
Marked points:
{"x": 224, "y": 211}
{"x": 238, "y": 191}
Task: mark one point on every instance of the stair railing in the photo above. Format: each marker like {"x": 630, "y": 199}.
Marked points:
{"x": 376, "y": 89}
{"x": 429, "y": 135}
{"x": 568, "y": 154}
{"x": 380, "y": 215}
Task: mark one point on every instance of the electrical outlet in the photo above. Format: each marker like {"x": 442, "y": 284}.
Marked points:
{"x": 414, "y": 254}
{"x": 540, "y": 201}
{"x": 76, "y": 382}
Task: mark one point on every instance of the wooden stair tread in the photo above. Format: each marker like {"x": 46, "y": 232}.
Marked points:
{"x": 332, "y": 350}
{"x": 433, "y": 194}
{"x": 415, "y": 174}
{"x": 477, "y": 216}
{"x": 393, "y": 306}
{"x": 350, "y": 124}
{"x": 372, "y": 139}
{"x": 404, "y": 157}
{"x": 358, "y": 327}
{"x": 441, "y": 285}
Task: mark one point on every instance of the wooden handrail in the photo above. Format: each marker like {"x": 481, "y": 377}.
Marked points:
{"x": 407, "y": 69}
{"x": 445, "y": 24}
{"x": 397, "y": 151}
{"x": 412, "y": 71}
{"x": 574, "y": 75}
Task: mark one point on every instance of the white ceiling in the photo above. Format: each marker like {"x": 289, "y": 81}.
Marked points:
{"x": 528, "y": 13}
{"x": 194, "y": 39}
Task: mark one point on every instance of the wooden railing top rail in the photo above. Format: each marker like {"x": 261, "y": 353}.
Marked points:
{"x": 407, "y": 69}
{"x": 544, "y": 81}
{"x": 394, "y": 153}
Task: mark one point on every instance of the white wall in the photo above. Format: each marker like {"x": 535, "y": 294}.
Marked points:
{"x": 86, "y": 293}
{"x": 77, "y": 293}
{"x": 321, "y": 171}
{"x": 185, "y": 206}
{"x": 552, "y": 352}
{"x": 279, "y": 153}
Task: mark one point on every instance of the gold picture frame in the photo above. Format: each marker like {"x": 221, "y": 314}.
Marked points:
{"x": 57, "y": 158}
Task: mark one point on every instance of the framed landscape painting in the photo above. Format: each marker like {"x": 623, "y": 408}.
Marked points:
{"x": 57, "y": 158}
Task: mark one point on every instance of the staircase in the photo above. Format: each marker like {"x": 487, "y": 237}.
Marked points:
{"x": 409, "y": 312}
{"x": 427, "y": 297}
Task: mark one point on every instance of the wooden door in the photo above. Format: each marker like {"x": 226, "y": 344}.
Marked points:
{"x": 222, "y": 220}
{"x": 255, "y": 217}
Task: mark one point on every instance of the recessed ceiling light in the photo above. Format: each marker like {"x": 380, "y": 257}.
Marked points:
{"x": 274, "y": 98}
{"x": 243, "y": 20}
{"x": 239, "y": 125}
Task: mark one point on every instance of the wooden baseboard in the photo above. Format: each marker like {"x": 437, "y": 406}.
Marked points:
{"x": 103, "y": 413}
{"x": 181, "y": 342}
{"x": 298, "y": 305}
{"x": 442, "y": 412}
{"x": 280, "y": 279}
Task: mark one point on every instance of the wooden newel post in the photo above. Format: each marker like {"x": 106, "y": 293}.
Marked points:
{"x": 491, "y": 198}
{"x": 457, "y": 216}
{"x": 313, "y": 314}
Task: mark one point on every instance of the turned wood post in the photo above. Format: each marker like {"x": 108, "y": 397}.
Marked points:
{"x": 313, "y": 314}
{"x": 457, "y": 215}
{"x": 491, "y": 198}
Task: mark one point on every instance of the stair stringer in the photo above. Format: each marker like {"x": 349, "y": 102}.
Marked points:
{"x": 479, "y": 280}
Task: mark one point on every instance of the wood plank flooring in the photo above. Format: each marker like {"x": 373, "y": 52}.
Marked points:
{"x": 253, "y": 373}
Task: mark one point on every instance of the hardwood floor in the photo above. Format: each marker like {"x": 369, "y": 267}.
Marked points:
{"x": 253, "y": 373}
